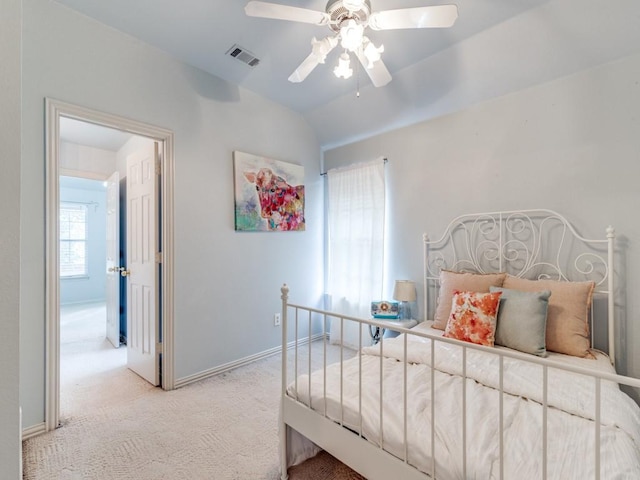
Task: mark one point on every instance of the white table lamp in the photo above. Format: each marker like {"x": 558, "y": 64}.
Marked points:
{"x": 404, "y": 291}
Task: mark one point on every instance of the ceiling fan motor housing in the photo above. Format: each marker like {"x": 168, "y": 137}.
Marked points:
{"x": 339, "y": 13}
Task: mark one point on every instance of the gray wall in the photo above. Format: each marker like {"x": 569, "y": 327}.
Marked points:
{"x": 10, "y": 136}
{"x": 571, "y": 145}
{"x": 226, "y": 283}
{"x": 91, "y": 288}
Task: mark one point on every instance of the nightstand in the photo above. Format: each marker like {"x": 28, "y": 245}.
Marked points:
{"x": 388, "y": 332}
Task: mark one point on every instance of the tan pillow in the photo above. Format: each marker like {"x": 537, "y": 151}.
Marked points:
{"x": 567, "y": 315}
{"x": 464, "y": 282}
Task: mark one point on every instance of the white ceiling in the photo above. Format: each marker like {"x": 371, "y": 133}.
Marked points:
{"x": 91, "y": 135}
{"x": 82, "y": 183}
{"x": 495, "y": 47}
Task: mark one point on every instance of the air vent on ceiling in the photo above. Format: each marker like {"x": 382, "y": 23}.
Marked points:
{"x": 244, "y": 55}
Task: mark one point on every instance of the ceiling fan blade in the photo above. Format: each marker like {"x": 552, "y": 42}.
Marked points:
{"x": 319, "y": 52}
{"x": 285, "y": 12}
{"x": 440, "y": 16}
{"x": 378, "y": 72}
{"x": 304, "y": 69}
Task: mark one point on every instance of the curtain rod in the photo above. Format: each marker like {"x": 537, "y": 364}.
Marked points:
{"x": 324, "y": 174}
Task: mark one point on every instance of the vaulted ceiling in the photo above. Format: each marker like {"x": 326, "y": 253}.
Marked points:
{"x": 495, "y": 47}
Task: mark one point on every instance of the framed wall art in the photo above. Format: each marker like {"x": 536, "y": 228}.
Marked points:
{"x": 269, "y": 194}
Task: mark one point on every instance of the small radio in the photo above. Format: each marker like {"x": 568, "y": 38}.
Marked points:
{"x": 384, "y": 309}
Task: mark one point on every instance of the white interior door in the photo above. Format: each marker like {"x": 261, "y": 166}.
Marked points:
{"x": 113, "y": 259}
{"x": 142, "y": 269}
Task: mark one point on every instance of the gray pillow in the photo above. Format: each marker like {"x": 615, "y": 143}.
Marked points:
{"x": 522, "y": 320}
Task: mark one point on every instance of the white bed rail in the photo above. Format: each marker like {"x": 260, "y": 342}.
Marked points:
{"x": 350, "y": 446}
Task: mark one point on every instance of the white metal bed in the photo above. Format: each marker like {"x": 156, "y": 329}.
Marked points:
{"x": 331, "y": 404}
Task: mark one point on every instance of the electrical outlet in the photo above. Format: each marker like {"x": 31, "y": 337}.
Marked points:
{"x": 276, "y": 319}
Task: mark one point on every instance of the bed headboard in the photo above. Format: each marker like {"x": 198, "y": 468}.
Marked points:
{"x": 532, "y": 244}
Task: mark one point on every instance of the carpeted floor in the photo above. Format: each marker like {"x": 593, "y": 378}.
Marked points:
{"x": 117, "y": 426}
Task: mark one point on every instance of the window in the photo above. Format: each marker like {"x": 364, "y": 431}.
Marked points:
{"x": 73, "y": 240}
{"x": 355, "y": 260}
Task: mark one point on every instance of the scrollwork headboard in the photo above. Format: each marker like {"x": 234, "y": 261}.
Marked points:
{"x": 532, "y": 244}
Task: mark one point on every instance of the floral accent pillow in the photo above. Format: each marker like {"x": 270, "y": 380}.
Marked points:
{"x": 473, "y": 317}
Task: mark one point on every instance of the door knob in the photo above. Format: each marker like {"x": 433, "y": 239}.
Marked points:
{"x": 124, "y": 272}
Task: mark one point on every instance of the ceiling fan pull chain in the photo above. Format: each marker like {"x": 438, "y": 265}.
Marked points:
{"x": 357, "y": 80}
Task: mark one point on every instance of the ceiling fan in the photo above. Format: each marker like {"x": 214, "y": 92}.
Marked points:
{"x": 348, "y": 19}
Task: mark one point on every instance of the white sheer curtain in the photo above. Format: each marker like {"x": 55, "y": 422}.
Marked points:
{"x": 356, "y": 219}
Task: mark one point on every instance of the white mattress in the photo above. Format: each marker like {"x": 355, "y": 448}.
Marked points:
{"x": 571, "y": 427}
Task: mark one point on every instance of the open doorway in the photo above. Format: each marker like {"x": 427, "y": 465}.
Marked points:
{"x": 85, "y": 350}
{"x": 92, "y": 228}
{"x": 109, "y": 256}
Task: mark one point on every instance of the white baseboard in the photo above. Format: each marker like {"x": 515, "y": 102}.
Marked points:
{"x": 33, "y": 431}
{"x": 82, "y": 302}
{"x": 181, "y": 382}
{"x": 21, "y": 455}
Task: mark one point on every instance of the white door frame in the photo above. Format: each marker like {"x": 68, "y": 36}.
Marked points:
{"x": 54, "y": 110}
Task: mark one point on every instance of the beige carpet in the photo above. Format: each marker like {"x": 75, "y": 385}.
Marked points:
{"x": 117, "y": 426}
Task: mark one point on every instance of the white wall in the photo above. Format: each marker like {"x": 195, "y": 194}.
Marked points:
{"x": 571, "y": 145}
{"x": 226, "y": 283}
{"x": 10, "y": 136}
{"x": 93, "y": 286}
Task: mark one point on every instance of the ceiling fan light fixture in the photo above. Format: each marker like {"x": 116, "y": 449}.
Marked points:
{"x": 372, "y": 53}
{"x": 343, "y": 70}
{"x": 351, "y": 35}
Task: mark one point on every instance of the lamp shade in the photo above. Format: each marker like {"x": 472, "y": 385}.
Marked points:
{"x": 404, "y": 291}
{"x": 343, "y": 70}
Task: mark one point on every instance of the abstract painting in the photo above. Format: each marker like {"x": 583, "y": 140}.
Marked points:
{"x": 269, "y": 194}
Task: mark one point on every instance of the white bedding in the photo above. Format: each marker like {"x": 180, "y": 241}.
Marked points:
{"x": 571, "y": 426}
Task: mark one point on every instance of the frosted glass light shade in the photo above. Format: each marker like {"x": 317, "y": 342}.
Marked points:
{"x": 372, "y": 53}
{"x": 343, "y": 69}
{"x": 351, "y": 34}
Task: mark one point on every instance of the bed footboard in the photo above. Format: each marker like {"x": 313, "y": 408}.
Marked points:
{"x": 336, "y": 437}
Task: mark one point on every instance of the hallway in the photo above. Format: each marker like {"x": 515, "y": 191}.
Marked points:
{"x": 87, "y": 360}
